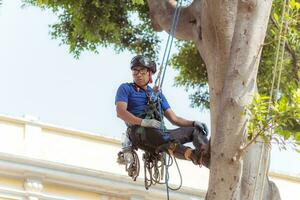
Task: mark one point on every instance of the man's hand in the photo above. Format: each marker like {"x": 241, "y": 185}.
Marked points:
{"x": 151, "y": 123}
{"x": 201, "y": 126}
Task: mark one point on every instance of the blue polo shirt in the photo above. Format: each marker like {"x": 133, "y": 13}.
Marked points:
{"x": 137, "y": 99}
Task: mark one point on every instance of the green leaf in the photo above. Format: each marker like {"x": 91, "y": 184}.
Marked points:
{"x": 287, "y": 135}
{"x": 292, "y": 3}
{"x": 40, "y": 2}
{"x": 276, "y": 18}
{"x": 138, "y": 2}
{"x": 297, "y": 136}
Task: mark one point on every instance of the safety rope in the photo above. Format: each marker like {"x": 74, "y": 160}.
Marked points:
{"x": 164, "y": 63}
{"x": 271, "y": 97}
{"x": 159, "y": 83}
{"x": 153, "y": 169}
{"x": 266, "y": 170}
{"x": 167, "y": 176}
{"x": 167, "y": 163}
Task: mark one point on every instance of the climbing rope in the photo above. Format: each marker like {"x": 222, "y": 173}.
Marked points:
{"x": 266, "y": 170}
{"x": 164, "y": 63}
{"x": 271, "y": 95}
{"x": 152, "y": 161}
{"x": 158, "y": 86}
{"x": 154, "y": 169}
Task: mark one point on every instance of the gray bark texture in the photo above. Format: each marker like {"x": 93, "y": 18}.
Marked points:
{"x": 229, "y": 35}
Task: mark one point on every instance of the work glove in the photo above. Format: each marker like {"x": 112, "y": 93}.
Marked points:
{"x": 201, "y": 126}
{"x": 150, "y": 123}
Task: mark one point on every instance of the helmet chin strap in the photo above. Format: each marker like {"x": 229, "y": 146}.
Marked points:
{"x": 150, "y": 77}
{"x": 140, "y": 86}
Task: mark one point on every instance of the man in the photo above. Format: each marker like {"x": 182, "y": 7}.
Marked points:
{"x": 133, "y": 105}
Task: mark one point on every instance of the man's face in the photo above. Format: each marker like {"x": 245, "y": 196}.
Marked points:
{"x": 140, "y": 75}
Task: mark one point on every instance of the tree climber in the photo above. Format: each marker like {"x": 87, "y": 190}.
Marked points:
{"x": 133, "y": 104}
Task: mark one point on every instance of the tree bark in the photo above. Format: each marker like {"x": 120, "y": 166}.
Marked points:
{"x": 229, "y": 35}
{"x": 162, "y": 14}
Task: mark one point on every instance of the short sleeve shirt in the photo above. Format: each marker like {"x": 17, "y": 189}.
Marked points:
{"x": 137, "y": 99}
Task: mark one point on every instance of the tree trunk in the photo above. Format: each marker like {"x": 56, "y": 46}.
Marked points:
{"x": 229, "y": 35}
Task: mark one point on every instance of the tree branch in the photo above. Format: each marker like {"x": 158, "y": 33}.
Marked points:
{"x": 161, "y": 14}
{"x": 243, "y": 148}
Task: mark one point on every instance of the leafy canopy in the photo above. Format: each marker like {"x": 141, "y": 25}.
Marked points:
{"x": 89, "y": 24}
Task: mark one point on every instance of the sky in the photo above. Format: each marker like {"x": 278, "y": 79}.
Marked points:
{"x": 39, "y": 78}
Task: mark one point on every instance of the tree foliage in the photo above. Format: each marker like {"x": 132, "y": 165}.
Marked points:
{"x": 279, "y": 121}
{"x": 125, "y": 25}
{"x": 89, "y": 24}
{"x": 192, "y": 73}
{"x": 277, "y": 107}
{"x": 290, "y": 74}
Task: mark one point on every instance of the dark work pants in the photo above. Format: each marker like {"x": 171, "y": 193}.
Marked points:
{"x": 150, "y": 139}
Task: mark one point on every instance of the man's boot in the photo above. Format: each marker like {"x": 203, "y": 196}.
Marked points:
{"x": 198, "y": 158}
{"x": 187, "y": 153}
{"x": 180, "y": 151}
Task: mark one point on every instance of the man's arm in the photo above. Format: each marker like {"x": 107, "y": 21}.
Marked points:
{"x": 179, "y": 121}
{"x": 175, "y": 120}
{"x": 122, "y": 113}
